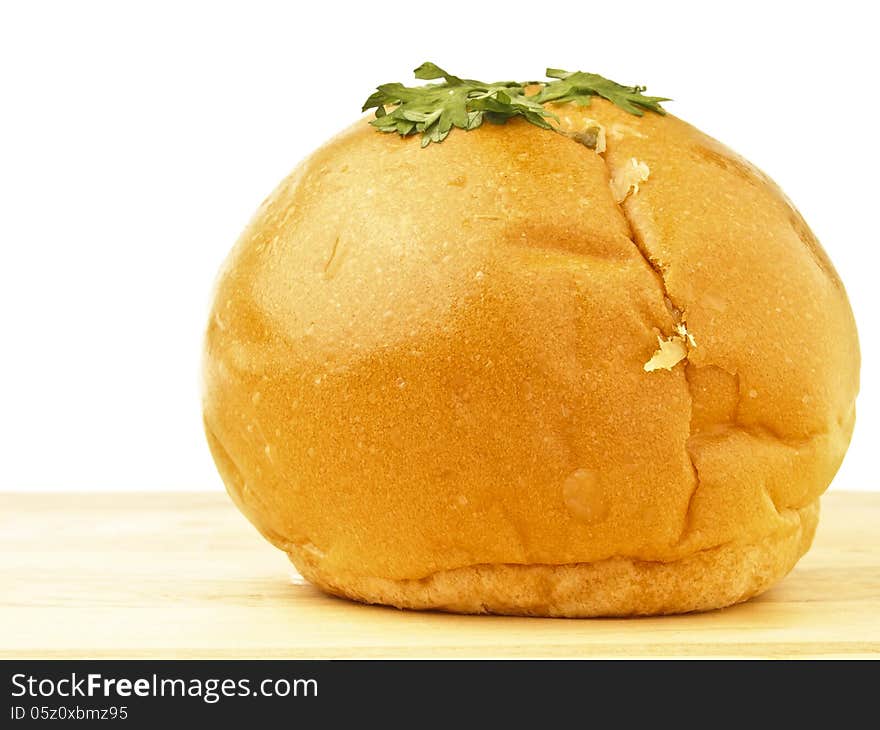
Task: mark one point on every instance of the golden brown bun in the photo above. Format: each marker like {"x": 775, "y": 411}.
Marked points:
{"x": 425, "y": 371}
{"x": 706, "y": 579}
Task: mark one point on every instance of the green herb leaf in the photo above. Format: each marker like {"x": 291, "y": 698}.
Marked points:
{"x": 434, "y": 109}
{"x": 579, "y": 87}
{"x": 429, "y": 71}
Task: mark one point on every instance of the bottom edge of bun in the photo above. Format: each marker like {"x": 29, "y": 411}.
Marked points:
{"x": 713, "y": 578}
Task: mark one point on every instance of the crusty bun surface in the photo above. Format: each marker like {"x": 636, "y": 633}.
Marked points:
{"x": 509, "y": 373}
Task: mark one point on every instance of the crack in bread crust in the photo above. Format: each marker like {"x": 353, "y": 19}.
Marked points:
{"x": 763, "y": 430}
{"x": 659, "y": 274}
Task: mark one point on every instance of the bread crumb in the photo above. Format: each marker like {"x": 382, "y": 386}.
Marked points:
{"x": 592, "y": 136}
{"x": 671, "y": 350}
{"x": 626, "y": 180}
{"x": 682, "y": 330}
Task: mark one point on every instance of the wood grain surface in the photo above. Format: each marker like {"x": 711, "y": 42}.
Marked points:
{"x": 179, "y": 574}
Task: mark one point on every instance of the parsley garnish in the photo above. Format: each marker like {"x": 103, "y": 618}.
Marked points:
{"x": 434, "y": 109}
{"x": 579, "y": 87}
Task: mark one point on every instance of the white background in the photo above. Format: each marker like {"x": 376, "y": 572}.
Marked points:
{"x": 136, "y": 139}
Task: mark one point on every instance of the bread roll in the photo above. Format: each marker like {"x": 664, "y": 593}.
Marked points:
{"x": 509, "y": 373}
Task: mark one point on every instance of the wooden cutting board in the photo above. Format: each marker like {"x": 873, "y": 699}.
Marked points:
{"x": 184, "y": 575}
